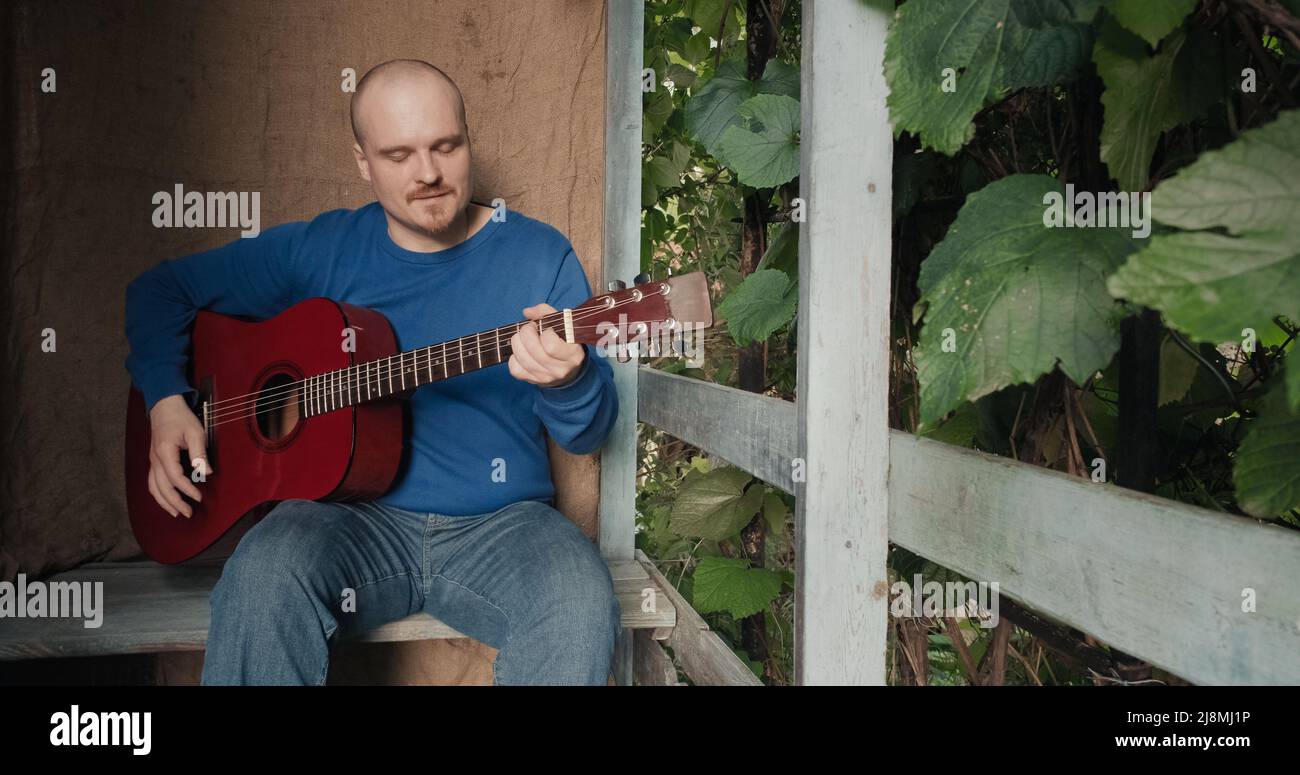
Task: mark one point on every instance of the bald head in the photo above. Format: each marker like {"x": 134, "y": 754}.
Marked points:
{"x": 399, "y": 79}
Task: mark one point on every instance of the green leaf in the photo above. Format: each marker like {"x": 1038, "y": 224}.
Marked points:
{"x": 707, "y": 14}
{"x": 761, "y": 304}
{"x": 774, "y": 512}
{"x": 712, "y": 108}
{"x": 727, "y": 584}
{"x": 1212, "y": 285}
{"x": 993, "y": 46}
{"x": 783, "y": 251}
{"x": 1266, "y": 470}
{"x": 959, "y": 430}
{"x": 660, "y": 171}
{"x": 671, "y": 33}
{"x": 767, "y": 153}
{"x": 649, "y": 191}
{"x": 666, "y": 171}
{"x": 780, "y": 78}
{"x": 1152, "y": 19}
{"x": 715, "y": 505}
{"x": 696, "y": 48}
{"x": 1248, "y": 186}
{"x": 658, "y": 106}
{"x": 1147, "y": 95}
{"x": 1017, "y": 297}
{"x": 682, "y": 77}
{"x": 1293, "y": 384}
{"x": 681, "y": 156}
{"x": 1177, "y": 370}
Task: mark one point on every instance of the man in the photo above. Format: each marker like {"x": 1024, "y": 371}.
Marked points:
{"x": 468, "y": 531}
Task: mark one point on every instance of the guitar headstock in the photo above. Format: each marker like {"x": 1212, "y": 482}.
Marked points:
{"x": 648, "y": 313}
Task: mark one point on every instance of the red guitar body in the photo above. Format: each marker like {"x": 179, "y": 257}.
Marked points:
{"x": 350, "y": 454}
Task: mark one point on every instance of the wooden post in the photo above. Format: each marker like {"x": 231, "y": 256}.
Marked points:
{"x": 624, "y": 33}
{"x": 843, "y": 373}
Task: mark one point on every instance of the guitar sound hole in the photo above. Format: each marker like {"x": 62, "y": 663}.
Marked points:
{"x": 277, "y": 407}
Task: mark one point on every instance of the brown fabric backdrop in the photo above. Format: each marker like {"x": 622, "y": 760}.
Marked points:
{"x": 239, "y": 96}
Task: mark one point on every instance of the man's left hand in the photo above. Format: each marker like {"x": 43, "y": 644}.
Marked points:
{"x": 544, "y": 360}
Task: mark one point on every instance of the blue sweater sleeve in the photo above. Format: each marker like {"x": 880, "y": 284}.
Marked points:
{"x": 249, "y": 276}
{"x": 579, "y": 414}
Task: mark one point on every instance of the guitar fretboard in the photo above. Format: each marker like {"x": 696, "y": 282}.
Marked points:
{"x": 409, "y": 370}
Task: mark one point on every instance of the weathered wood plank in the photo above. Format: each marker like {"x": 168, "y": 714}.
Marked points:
{"x": 1159, "y": 579}
{"x": 150, "y": 608}
{"x": 621, "y": 260}
{"x": 846, "y": 167}
{"x": 624, "y": 35}
{"x": 652, "y": 665}
{"x": 701, "y": 653}
{"x": 748, "y": 430}
{"x": 627, "y": 570}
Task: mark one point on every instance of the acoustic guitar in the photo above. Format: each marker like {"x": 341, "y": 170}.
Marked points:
{"x": 290, "y": 413}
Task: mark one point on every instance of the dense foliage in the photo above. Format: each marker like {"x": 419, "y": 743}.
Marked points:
{"x": 1010, "y": 336}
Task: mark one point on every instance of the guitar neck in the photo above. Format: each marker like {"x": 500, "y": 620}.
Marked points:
{"x": 683, "y": 299}
{"x": 405, "y": 371}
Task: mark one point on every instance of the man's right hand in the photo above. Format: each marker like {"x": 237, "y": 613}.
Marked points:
{"x": 173, "y": 428}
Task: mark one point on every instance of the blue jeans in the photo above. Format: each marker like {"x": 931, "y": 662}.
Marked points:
{"x": 522, "y": 579}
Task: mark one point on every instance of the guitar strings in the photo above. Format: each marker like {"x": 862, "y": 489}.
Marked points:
{"x": 234, "y": 415}
{"x": 501, "y": 336}
{"x": 385, "y": 369}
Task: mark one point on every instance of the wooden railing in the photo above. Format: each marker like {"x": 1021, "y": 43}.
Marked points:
{"x": 1161, "y": 580}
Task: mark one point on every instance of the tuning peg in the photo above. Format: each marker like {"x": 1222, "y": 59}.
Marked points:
{"x": 617, "y": 285}
{"x": 641, "y": 279}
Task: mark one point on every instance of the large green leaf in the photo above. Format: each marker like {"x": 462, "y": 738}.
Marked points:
{"x": 1177, "y": 371}
{"x": 658, "y": 106}
{"x": 1147, "y": 95}
{"x": 715, "y": 505}
{"x": 1249, "y": 186}
{"x": 727, "y": 584}
{"x": 774, "y": 513}
{"x": 665, "y": 168}
{"x": 766, "y": 153}
{"x": 707, "y": 14}
{"x": 959, "y": 430}
{"x": 1213, "y": 285}
{"x": 1152, "y": 19}
{"x": 1017, "y": 296}
{"x": 993, "y": 46}
{"x": 779, "y": 78}
{"x": 713, "y": 108}
{"x": 762, "y": 303}
{"x": 1266, "y": 470}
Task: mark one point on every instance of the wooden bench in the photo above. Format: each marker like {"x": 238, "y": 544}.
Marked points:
{"x": 149, "y": 608}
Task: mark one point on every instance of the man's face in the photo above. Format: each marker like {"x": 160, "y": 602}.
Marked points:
{"x": 416, "y": 154}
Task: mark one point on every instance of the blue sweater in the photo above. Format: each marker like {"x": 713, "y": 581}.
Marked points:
{"x": 461, "y": 430}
